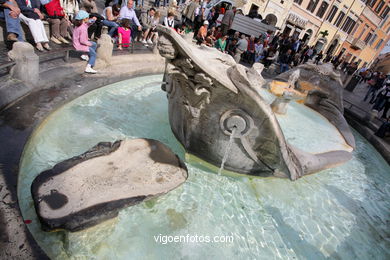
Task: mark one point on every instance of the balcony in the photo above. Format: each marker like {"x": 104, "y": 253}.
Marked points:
{"x": 373, "y": 17}
{"x": 358, "y": 44}
{"x": 349, "y": 39}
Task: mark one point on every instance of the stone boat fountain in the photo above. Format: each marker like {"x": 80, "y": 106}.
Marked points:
{"x": 211, "y": 97}
{"x": 288, "y": 127}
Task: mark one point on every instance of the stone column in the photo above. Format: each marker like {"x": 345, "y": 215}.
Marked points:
{"x": 27, "y": 63}
{"x": 104, "y": 51}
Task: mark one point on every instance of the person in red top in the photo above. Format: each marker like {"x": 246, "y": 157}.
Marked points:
{"x": 251, "y": 50}
{"x": 124, "y": 33}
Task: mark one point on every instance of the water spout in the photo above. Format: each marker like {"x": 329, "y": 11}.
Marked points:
{"x": 293, "y": 78}
{"x": 227, "y": 151}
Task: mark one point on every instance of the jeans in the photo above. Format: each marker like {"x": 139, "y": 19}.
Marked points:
{"x": 12, "y": 24}
{"x": 380, "y": 103}
{"x": 371, "y": 91}
{"x": 113, "y": 26}
{"x": 92, "y": 54}
{"x": 284, "y": 67}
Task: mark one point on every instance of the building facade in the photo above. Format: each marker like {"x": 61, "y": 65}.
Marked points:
{"x": 353, "y": 30}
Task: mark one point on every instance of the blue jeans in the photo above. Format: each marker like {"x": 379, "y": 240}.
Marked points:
{"x": 284, "y": 67}
{"x": 12, "y": 24}
{"x": 372, "y": 90}
{"x": 92, "y": 54}
{"x": 112, "y": 26}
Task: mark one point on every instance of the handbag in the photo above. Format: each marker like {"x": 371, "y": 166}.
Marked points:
{"x": 54, "y": 9}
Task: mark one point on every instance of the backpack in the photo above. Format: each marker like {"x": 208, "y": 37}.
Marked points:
{"x": 54, "y": 9}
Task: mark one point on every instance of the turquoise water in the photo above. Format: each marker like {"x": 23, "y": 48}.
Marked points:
{"x": 340, "y": 213}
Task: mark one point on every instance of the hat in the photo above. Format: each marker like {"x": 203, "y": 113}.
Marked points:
{"x": 81, "y": 15}
{"x": 206, "y": 22}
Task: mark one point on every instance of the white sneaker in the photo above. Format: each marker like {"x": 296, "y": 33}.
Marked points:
{"x": 88, "y": 69}
{"x": 144, "y": 42}
{"x": 84, "y": 57}
{"x": 150, "y": 42}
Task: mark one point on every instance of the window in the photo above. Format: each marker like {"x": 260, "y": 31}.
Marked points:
{"x": 373, "y": 39}
{"x": 385, "y": 12}
{"x": 347, "y": 24}
{"x": 321, "y": 11}
{"x": 378, "y": 45}
{"x": 368, "y": 37}
{"x": 332, "y": 13}
{"x": 298, "y": 1}
{"x": 312, "y": 5}
{"x": 371, "y": 3}
{"x": 339, "y": 19}
{"x": 363, "y": 31}
{"x": 379, "y": 6}
{"x": 352, "y": 27}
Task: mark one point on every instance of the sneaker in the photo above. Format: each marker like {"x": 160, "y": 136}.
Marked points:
{"x": 90, "y": 70}
{"x": 62, "y": 39}
{"x": 12, "y": 37}
{"x": 55, "y": 40}
{"x": 144, "y": 42}
{"x": 84, "y": 57}
{"x": 150, "y": 42}
{"x": 46, "y": 46}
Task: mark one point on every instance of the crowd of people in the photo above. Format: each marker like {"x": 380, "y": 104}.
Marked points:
{"x": 378, "y": 90}
{"x": 79, "y": 22}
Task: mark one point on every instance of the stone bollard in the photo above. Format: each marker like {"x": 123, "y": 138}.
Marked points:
{"x": 27, "y": 63}
{"x": 104, "y": 51}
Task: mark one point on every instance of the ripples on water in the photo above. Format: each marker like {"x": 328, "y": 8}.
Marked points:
{"x": 338, "y": 213}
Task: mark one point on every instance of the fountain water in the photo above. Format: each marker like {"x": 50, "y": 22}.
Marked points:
{"x": 227, "y": 151}
{"x": 293, "y": 78}
{"x": 267, "y": 217}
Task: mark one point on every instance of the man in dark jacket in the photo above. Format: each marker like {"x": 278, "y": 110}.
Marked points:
{"x": 9, "y": 11}
{"x": 285, "y": 60}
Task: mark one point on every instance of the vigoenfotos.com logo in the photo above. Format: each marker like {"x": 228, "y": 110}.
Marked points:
{"x": 165, "y": 239}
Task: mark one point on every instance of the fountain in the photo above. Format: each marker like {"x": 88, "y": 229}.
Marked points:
{"x": 337, "y": 213}
{"x": 222, "y": 117}
{"x": 206, "y": 89}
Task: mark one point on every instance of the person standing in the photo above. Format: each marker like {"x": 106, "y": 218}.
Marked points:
{"x": 227, "y": 20}
{"x": 251, "y": 50}
{"x": 242, "y": 46}
{"x": 285, "y": 60}
{"x": 189, "y": 13}
{"x": 319, "y": 57}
